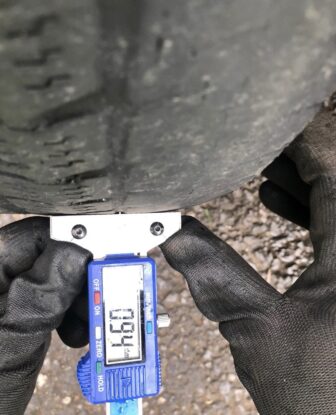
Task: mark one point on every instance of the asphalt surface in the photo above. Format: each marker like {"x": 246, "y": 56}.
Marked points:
{"x": 198, "y": 372}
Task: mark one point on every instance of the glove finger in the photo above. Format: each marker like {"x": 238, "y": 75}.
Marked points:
{"x": 81, "y": 305}
{"x": 283, "y": 204}
{"x": 41, "y": 296}
{"x": 20, "y": 244}
{"x": 283, "y": 172}
{"x": 222, "y": 284}
{"x": 73, "y": 331}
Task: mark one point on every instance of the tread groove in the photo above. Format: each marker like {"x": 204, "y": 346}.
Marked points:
{"x": 30, "y": 200}
{"x": 42, "y": 60}
{"x": 16, "y": 176}
{"x": 13, "y": 164}
{"x": 28, "y": 129}
{"x": 88, "y": 105}
{"x": 34, "y": 29}
{"x": 91, "y": 174}
{"x": 62, "y": 141}
{"x": 69, "y": 164}
{"x": 49, "y": 82}
{"x": 90, "y": 202}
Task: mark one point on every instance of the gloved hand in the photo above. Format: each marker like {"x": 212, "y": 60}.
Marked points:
{"x": 39, "y": 280}
{"x": 284, "y": 346}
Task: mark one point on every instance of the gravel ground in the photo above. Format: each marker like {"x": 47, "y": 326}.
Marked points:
{"x": 198, "y": 371}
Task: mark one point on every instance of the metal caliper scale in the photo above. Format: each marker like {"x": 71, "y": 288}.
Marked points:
{"x": 123, "y": 363}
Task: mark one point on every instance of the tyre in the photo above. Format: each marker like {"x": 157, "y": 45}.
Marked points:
{"x": 149, "y": 105}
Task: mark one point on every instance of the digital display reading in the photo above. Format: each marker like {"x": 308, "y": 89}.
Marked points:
{"x": 122, "y": 289}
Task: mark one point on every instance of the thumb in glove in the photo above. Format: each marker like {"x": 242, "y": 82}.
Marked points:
{"x": 284, "y": 345}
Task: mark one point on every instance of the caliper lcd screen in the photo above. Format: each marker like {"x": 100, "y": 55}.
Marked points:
{"x": 122, "y": 291}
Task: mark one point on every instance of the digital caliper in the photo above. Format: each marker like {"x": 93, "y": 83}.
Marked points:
{"x": 123, "y": 363}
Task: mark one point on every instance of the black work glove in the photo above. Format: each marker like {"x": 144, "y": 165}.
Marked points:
{"x": 284, "y": 345}
{"x": 39, "y": 280}
{"x": 285, "y": 193}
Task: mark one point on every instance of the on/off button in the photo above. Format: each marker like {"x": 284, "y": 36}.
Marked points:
{"x": 96, "y": 297}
